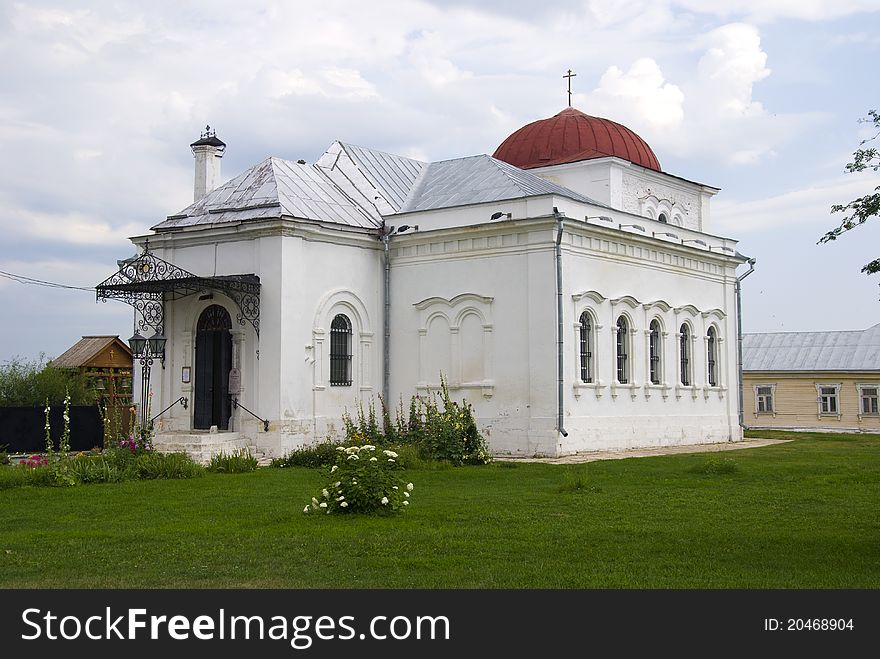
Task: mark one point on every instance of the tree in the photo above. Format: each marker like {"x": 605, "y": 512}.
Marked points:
{"x": 860, "y": 210}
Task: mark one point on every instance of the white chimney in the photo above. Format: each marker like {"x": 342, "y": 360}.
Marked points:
{"x": 207, "y": 151}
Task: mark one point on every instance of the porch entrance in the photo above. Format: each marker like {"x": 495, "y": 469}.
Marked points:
{"x": 213, "y": 363}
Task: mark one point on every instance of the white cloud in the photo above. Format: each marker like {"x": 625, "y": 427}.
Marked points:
{"x": 729, "y": 69}
{"x": 74, "y": 228}
{"x": 807, "y": 208}
{"x": 711, "y": 110}
{"x": 643, "y": 89}
{"x": 767, "y": 10}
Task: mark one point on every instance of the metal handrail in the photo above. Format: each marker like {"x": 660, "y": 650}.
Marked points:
{"x": 235, "y": 403}
{"x": 182, "y": 400}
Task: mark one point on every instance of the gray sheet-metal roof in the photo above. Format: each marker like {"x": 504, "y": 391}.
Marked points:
{"x": 356, "y": 186}
{"x": 476, "y": 180}
{"x": 856, "y": 350}
{"x": 394, "y": 176}
{"x": 273, "y": 188}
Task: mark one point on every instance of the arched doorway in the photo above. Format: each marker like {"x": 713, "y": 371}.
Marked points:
{"x": 213, "y": 362}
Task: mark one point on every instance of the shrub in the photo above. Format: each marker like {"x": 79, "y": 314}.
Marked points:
{"x": 441, "y": 428}
{"x": 237, "y": 462}
{"x": 314, "y": 456}
{"x": 97, "y": 469}
{"x": 715, "y": 466}
{"x": 150, "y": 466}
{"x": 410, "y": 457}
{"x": 363, "y": 480}
{"x": 451, "y": 433}
{"x": 31, "y": 384}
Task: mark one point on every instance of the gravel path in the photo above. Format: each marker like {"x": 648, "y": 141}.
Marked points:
{"x": 620, "y": 454}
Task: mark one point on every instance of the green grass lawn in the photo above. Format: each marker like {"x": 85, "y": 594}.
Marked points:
{"x": 797, "y": 515}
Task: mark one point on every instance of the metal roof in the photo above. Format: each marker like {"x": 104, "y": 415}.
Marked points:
{"x": 273, "y": 188}
{"x": 85, "y": 350}
{"x": 394, "y": 176}
{"x": 358, "y": 187}
{"x": 854, "y": 350}
{"x": 571, "y": 136}
{"x": 476, "y": 180}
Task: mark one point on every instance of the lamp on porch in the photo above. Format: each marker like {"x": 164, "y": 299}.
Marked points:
{"x": 137, "y": 343}
{"x": 156, "y": 344}
{"x": 145, "y": 350}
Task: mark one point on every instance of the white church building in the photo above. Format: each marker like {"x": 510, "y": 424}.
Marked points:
{"x": 567, "y": 287}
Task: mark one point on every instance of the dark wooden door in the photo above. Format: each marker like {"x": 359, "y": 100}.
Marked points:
{"x": 213, "y": 363}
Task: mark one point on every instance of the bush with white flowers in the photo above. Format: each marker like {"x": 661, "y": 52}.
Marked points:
{"x": 363, "y": 480}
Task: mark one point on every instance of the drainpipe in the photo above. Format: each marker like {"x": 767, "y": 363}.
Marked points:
{"x": 739, "y": 335}
{"x": 386, "y": 320}
{"x": 559, "y": 329}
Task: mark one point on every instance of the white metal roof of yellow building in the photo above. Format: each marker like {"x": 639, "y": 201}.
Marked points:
{"x": 851, "y": 350}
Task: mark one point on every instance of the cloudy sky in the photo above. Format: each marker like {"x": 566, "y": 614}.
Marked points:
{"x": 100, "y": 100}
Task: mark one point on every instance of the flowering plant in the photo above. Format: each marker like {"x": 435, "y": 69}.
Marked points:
{"x": 136, "y": 445}
{"x": 363, "y": 480}
{"x": 50, "y": 445}
{"x": 64, "y": 442}
{"x": 35, "y": 461}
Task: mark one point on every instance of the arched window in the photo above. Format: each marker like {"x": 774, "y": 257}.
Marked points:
{"x": 622, "y": 350}
{"x": 712, "y": 350}
{"x": 340, "y": 351}
{"x": 663, "y": 218}
{"x": 655, "y": 348}
{"x": 685, "y": 354}
{"x": 586, "y": 350}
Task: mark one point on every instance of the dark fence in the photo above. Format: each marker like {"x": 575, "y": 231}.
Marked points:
{"x": 23, "y": 429}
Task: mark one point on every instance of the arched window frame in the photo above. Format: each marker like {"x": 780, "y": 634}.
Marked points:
{"x": 712, "y": 356}
{"x": 655, "y": 352}
{"x": 586, "y": 335}
{"x": 340, "y": 351}
{"x": 622, "y": 350}
{"x": 684, "y": 356}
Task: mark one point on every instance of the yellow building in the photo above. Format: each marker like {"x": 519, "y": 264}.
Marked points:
{"x": 812, "y": 380}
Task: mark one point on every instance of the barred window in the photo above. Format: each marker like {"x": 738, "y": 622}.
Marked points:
{"x": 685, "y": 355}
{"x": 712, "y": 349}
{"x": 340, "y": 351}
{"x": 654, "y": 349}
{"x": 622, "y": 350}
{"x": 586, "y": 347}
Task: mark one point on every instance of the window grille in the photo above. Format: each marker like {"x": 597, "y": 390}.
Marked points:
{"x": 586, "y": 344}
{"x": 340, "y": 351}
{"x": 654, "y": 352}
{"x": 685, "y": 349}
{"x": 711, "y": 344}
{"x": 622, "y": 366}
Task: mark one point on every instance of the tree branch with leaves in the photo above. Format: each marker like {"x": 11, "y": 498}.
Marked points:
{"x": 860, "y": 210}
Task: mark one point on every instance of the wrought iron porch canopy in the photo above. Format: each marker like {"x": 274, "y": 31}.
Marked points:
{"x": 147, "y": 282}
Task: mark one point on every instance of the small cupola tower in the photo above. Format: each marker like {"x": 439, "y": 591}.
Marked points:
{"x": 207, "y": 151}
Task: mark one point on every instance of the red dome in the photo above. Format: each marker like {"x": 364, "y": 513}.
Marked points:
{"x": 572, "y": 136}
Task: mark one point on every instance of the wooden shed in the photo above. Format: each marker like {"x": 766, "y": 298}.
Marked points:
{"x": 107, "y": 362}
